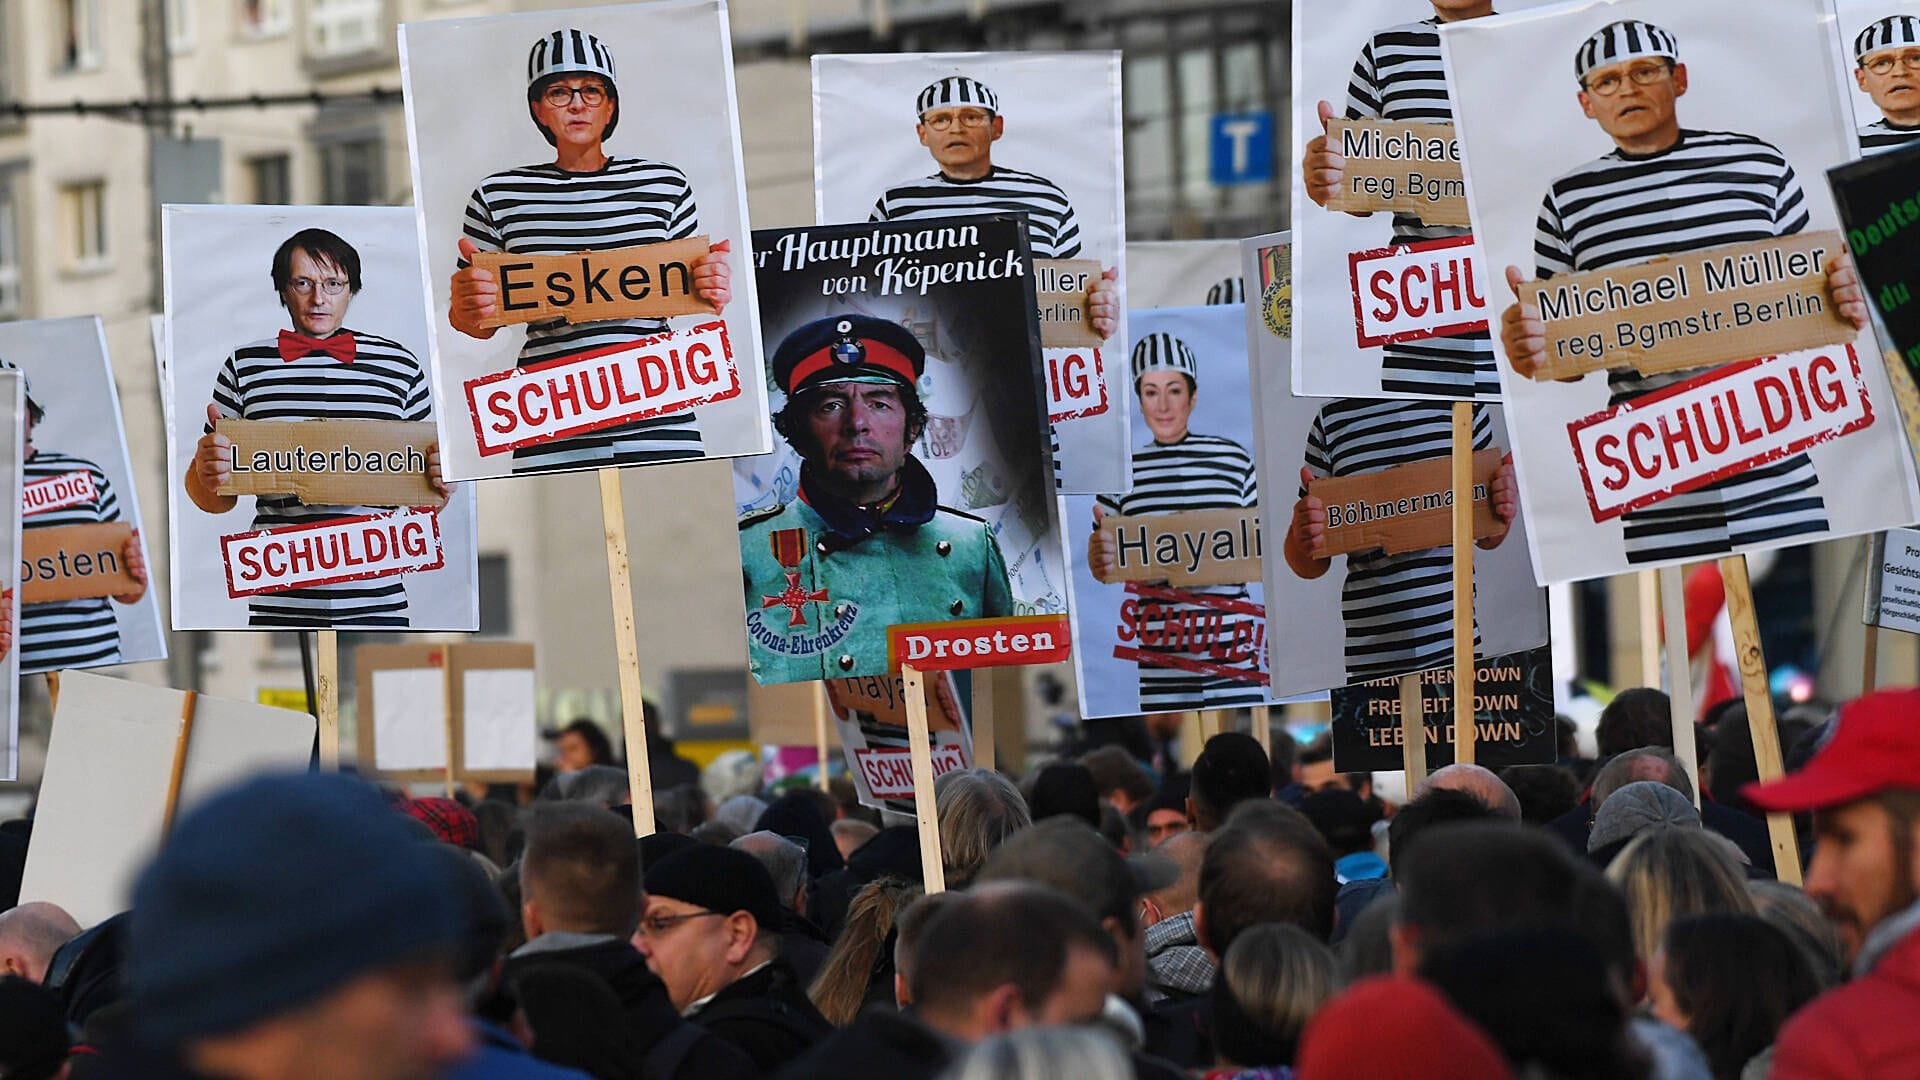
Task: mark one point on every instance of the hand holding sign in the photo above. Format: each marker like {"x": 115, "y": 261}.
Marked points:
{"x": 1323, "y": 167}
{"x": 1843, "y": 287}
{"x": 712, "y": 277}
{"x": 475, "y": 295}
{"x": 1306, "y": 543}
{"x": 1523, "y": 333}
{"x": 212, "y": 469}
{"x": 1100, "y": 554}
{"x": 1503, "y": 492}
{"x": 1103, "y": 303}
{"x": 134, "y": 558}
{"x": 433, "y": 472}
{"x": 6, "y": 624}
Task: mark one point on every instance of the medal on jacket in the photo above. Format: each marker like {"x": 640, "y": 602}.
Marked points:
{"x": 789, "y": 547}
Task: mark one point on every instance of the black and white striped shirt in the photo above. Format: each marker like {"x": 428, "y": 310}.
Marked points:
{"x": 1050, "y": 222}
{"x": 1200, "y": 472}
{"x": 1398, "y": 609}
{"x": 545, "y": 210}
{"x": 1709, "y": 189}
{"x": 1399, "y": 76}
{"x": 1883, "y": 135}
{"x": 384, "y": 382}
{"x": 68, "y": 633}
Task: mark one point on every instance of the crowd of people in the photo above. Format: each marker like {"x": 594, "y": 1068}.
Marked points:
{"x": 1257, "y": 915}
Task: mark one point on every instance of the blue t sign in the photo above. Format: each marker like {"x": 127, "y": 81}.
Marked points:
{"x": 1242, "y": 148}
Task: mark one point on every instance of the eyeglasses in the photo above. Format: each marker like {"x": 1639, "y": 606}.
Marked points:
{"x": 329, "y": 286}
{"x": 1884, "y": 63}
{"x": 1640, "y": 75}
{"x": 973, "y": 118}
{"x": 560, "y": 97}
{"x": 655, "y": 925}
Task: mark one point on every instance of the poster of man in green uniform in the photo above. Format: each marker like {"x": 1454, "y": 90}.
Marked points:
{"x": 910, "y": 484}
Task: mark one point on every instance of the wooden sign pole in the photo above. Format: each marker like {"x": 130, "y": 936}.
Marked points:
{"x": 1870, "y": 662}
{"x": 447, "y": 728}
{"x": 1870, "y": 645}
{"x": 983, "y": 748}
{"x": 1413, "y": 732}
{"x": 1673, "y": 607}
{"x": 1753, "y": 684}
{"x": 1263, "y": 728}
{"x": 326, "y": 688}
{"x": 179, "y": 770}
{"x": 1649, "y": 582}
{"x": 1463, "y": 692}
{"x": 53, "y": 691}
{"x": 925, "y": 810}
{"x": 820, "y": 707}
{"x": 613, "y": 516}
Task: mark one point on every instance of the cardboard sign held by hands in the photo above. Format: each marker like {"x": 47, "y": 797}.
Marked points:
{"x": 648, "y": 281}
{"x": 1403, "y": 508}
{"x": 332, "y": 462}
{"x": 74, "y": 562}
{"x": 1061, "y": 286}
{"x": 1406, "y": 168}
{"x": 1193, "y": 547}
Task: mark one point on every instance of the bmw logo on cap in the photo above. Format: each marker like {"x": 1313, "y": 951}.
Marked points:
{"x": 847, "y": 350}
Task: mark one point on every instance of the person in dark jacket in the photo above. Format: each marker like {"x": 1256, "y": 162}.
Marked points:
{"x": 711, "y": 932}
{"x": 580, "y": 897}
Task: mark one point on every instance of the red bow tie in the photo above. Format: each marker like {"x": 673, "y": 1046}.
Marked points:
{"x": 294, "y": 346}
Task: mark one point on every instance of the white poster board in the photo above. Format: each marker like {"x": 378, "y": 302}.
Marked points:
{"x": 1886, "y": 105}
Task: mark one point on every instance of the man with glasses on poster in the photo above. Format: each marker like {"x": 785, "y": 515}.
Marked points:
{"x": 317, "y": 370}
{"x": 1667, "y": 190}
{"x": 583, "y": 200}
{"x": 1887, "y": 68}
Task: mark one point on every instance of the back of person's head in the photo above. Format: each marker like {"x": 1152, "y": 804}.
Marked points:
{"x": 1399, "y": 1027}
{"x": 29, "y": 936}
{"x": 1270, "y": 983}
{"x": 861, "y": 955}
{"x": 1064, "y": 854}
{"x": 1367, "y": 948}
{"x": 1043, "y": 1054}
{"x": 1343, "y": 818}
{"x": 1732, "y": 981}
{"x": 1655, "y": 763}
{"x": 908, "y": 924}
{"x": 1730, "y": 766}
{"x": 1269, "y": 865}
{"x": 1483, "y": 877}
{"x": 741, "y": 812}
{"x": 1666, "y": 874}
{"x": 1546, "y": 996}
{"x": 1014, "y": 934}
{"x": 850, "y": 833}
{"x": 978, "y": 808}
{"x": 1186, "y": 851}
{"x": 785, "y": 861}
{"x": 581, "y": 870}
{"x": 1435, "y": 808}
{"x": 501, "y": 836}
{"x": 1641, "y": 807}
{"x": 1480, "y": 782}
{"x": 1545, "y": 791}
{"x": 717, "y": 833}
{"x": 1641, "y": 716}
{"x": 600, "y": 785}
{"x": 1065, "y": 787}
{"x": 1796, "y": 914}
{"x": 1231, "y": 768}
{"x": 1116, "y": 772}
{"x": 1283, "y": 755}
{"x": 806, "y": 815}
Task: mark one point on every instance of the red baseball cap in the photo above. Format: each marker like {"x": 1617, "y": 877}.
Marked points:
{"x": 1875, "y": 747}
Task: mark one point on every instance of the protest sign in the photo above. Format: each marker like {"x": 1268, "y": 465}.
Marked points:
{"x": 1513, "y": 716}
{"x": 76, "y": 465}
{"x": 1403, "y": 508}
{"x": 1165, "y": 618}
{"x": 1893, "y": 581}
{"x": 1705, "y": 436}
{"x": 870, "y": 716}
{"x": 300, "y": 437}
{"x": 76, "y": 562}
{"x": 342, "y": 462}
{"x": 1369, "y": 615}
{"x": 1393, "y": 297}
{"x": 470, "y": 702}
{"x": 568, "y": 349}
{"x": 905, "y": 136}
{"x": 1879, "y": 205}
{"x": 122, "y": 758}
{"x": 923, "y": 332}
{"x": 1879, "y": 50}
{"x": 13, "y": 420}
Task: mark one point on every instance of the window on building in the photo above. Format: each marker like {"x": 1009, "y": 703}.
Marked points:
{"x": 179, "y": 25}
{"x": 78, "y": 24}
{"x": 10, "y": 294}
{"x": 344, "y": 27}
{"x": 350, "y": 173}
{"x": 269, "y": 180}
{"x": 496, "y": 597}
{"x": 84, "y": 218}
{"x": 260, "y": 18}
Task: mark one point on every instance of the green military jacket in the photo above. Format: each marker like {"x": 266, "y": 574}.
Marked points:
{"x": 814, "y": 614}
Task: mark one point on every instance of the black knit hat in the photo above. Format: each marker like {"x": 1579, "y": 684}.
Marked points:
{"x": 719, "y": 879}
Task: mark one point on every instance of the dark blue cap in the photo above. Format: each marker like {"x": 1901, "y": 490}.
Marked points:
{"x": 841, "y": 348}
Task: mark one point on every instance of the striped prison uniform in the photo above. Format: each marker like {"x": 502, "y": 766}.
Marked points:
{"x": 68, "y": 633}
